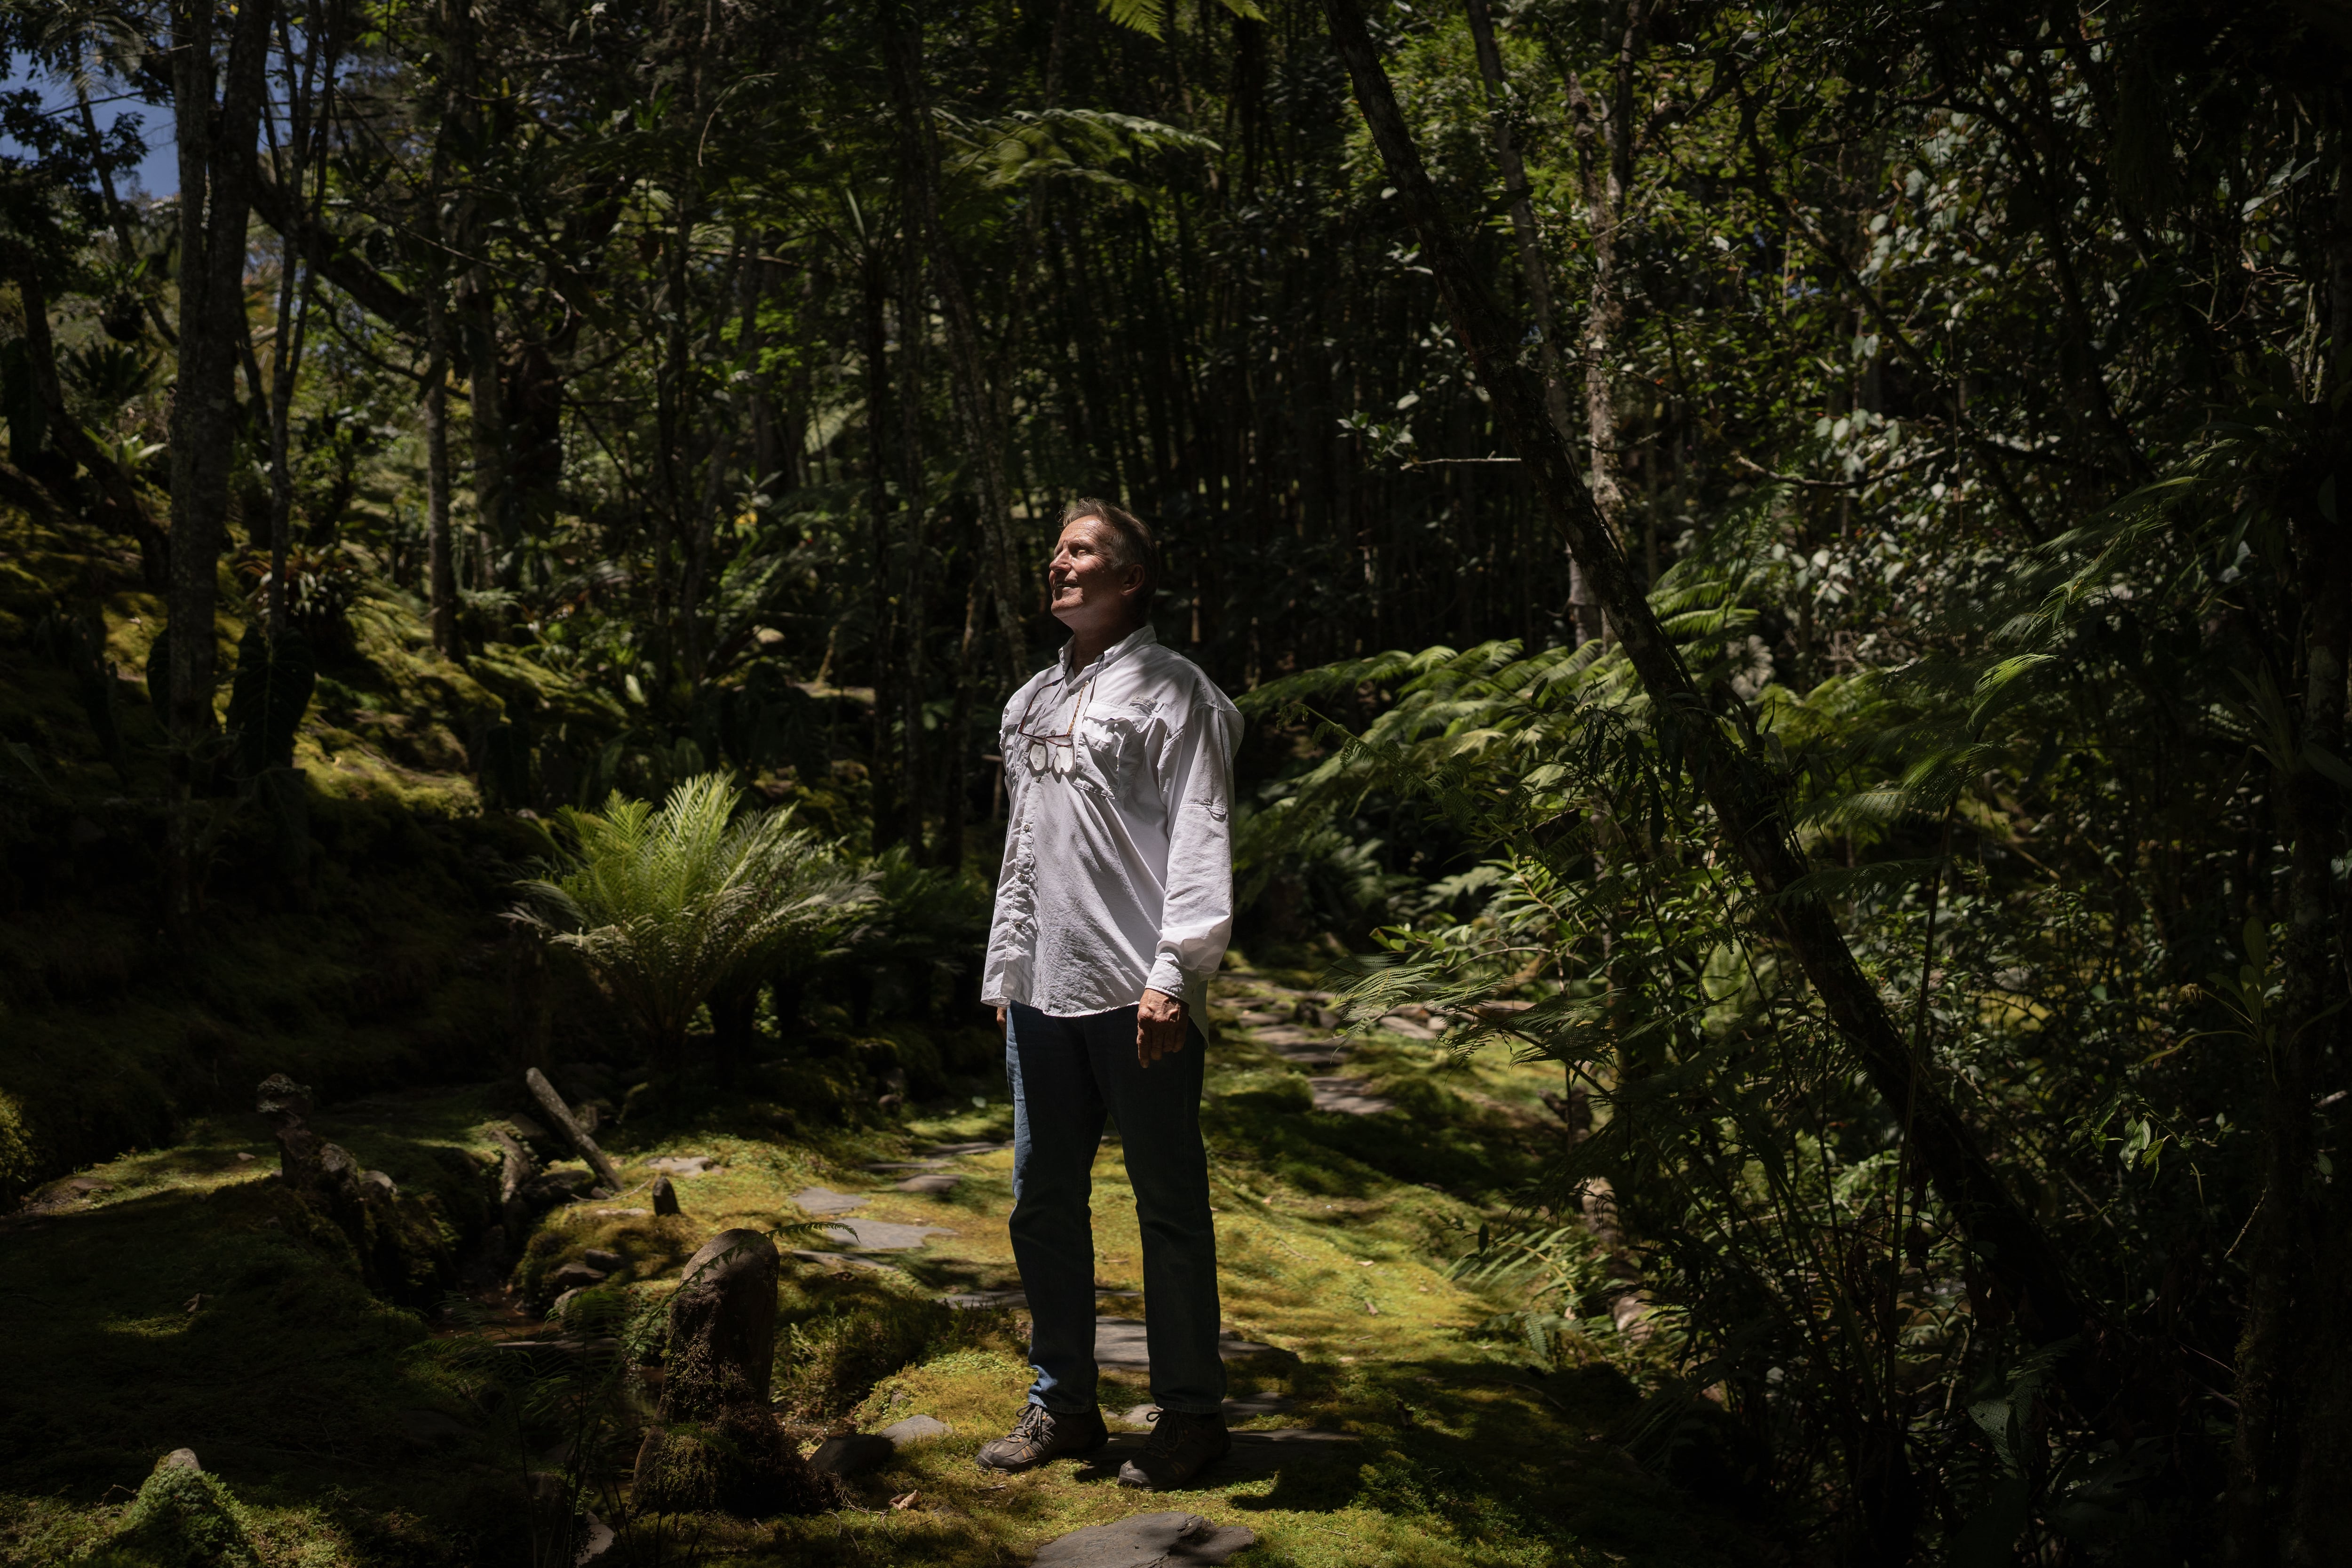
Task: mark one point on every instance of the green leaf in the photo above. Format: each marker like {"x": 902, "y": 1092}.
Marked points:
{"x": 1148, "y": 18}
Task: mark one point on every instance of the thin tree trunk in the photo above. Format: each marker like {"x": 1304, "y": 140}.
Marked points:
{"x": 877, "y": 520}
{"x": 2293, "y": 1439}
{"x": 914, "y": 606}
{"x": 977, "y": 404}
{"x": 1747, "y": 794}
{"x": 441, "y": 571}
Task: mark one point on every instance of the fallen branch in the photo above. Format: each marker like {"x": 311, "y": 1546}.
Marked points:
{"x": 552, "y": 1102}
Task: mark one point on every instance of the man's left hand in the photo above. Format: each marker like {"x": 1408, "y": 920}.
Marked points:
{"x": 1158, "y": 1027}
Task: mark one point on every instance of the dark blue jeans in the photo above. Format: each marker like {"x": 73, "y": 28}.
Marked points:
{"x": 1066, "y": 1073}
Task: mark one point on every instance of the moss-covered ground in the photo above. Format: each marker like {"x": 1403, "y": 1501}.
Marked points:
{"x": 163, "y": 1299}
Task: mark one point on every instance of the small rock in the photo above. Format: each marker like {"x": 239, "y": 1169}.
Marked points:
{"x": 622, "y": 1214}
{"x": 915, "y": 1429}
{"x": 555, "y": 1308}
{"x": 665, "y": 1197}
{"x": 597, "y": 1258}
{"x": 576, "y": 1276}
{"x": 1147, "y": 1540}
{"x": 180, "y": 1459}
{"x": 599, "y": 1541}
{"x": 933, "y": 1182}
{"x": 853, "y": 1455}
{"x": 688, "y": 1166}
{"x": 243, "y": 1158}
{"x": 602, "y": 1192}
{"x": 383, "y": 1184}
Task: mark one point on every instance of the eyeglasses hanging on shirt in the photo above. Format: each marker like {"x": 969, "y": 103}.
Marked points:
{"x": 1045, "y": 748}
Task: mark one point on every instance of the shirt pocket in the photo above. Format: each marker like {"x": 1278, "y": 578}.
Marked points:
{"x": 1115, "y": 754}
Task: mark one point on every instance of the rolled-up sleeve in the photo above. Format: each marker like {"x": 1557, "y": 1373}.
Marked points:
{"x": 1195, "y": 768}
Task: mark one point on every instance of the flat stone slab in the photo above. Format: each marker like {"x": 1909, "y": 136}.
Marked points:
{"x": 1248, "y": 1407}
{"x": 1329, "y": 1053}
{"x": 1258, "y": 1020}
{"x": 957, "y": 1151}
{"x": 825, "y": 1200}
{"x": 1254, "y": 1454}
{"x": 1292, "y": 1035}
{"x": 1121, "y": 1345}
{"x": 683, "y": 1165}
{"x": 1017, "y": 1297}
{"x": 1398, "y": 1023}
{"x": 1146, "y": 1541}
{"x": 842, "y": 1261}
{"x": 884, "y": 1167}
{"x": 1348, "y": 1096}
{"x": 882, "y": 1235}
{"x": 933, "y": 1182}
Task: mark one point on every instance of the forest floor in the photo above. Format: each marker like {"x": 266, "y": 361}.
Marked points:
{"x": 153, "y": 1302}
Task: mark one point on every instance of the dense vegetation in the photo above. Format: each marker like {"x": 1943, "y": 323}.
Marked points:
{"x": 1784, "y": 564}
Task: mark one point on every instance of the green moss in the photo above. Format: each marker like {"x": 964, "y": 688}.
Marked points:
{"x": 182, "y": 1518}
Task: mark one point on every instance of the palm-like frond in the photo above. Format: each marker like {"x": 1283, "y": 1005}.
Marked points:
{"x": 670, "y": 907}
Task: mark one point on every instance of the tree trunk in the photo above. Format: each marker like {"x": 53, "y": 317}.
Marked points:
{"x": 2293, "y": 1439}
{"x": 216, "y": 142}
{"x": 914, "y": 604}
{"x": 441, "y": 570}
{"x": 1745, "y": 792}
{"x": 878, "y": 519}
{"x": 977, "y": 406}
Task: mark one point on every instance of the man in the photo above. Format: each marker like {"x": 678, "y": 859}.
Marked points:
{"x": 1112, "y": 911}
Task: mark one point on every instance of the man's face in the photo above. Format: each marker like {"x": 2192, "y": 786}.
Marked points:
{"x": 1088, "y": 585}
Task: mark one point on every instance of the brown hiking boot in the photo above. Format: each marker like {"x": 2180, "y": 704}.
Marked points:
{"x": 1180, "y": 1448}
{"x": 1041, "y": 1434}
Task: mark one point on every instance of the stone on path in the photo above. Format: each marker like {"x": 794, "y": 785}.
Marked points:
{"x": 1170, "y": 1540}
{"x": 1290, "y": 1035}
{"x": 1254, "y": 1454}
{"x": 1248, "y": 1407}
{"x": 956, "y": 1151}
{"x": 841, "y": 1260}
{"x": 884, "y": 1167}
{"x": 1348, "y": 1096}
{"x": 825, "y": 1200}
{"x": 883, "y": 1235}
{"x": 932, "y": 1182}
{"x": 1121, "y": 1345}
{"x": 977, "y": 1300}
{"x": 665, "y": 1197}
{"x": 688, "y": 1165}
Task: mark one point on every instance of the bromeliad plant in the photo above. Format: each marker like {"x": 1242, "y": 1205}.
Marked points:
{"x": 689, "y": 904}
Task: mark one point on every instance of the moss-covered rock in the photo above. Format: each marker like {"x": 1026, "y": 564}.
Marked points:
{"x": 182, "y": 1518}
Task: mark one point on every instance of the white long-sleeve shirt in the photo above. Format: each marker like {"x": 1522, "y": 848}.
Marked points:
{"x": 1118, "y": 857}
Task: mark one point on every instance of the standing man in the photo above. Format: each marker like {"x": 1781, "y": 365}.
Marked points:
{"x": 1112, "y": 911}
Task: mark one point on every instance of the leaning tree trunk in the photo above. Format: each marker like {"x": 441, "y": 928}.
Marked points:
{"x": 1746, "y": 793}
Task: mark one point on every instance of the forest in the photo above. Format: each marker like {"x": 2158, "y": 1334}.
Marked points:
{"x": 1783, "y": 567}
